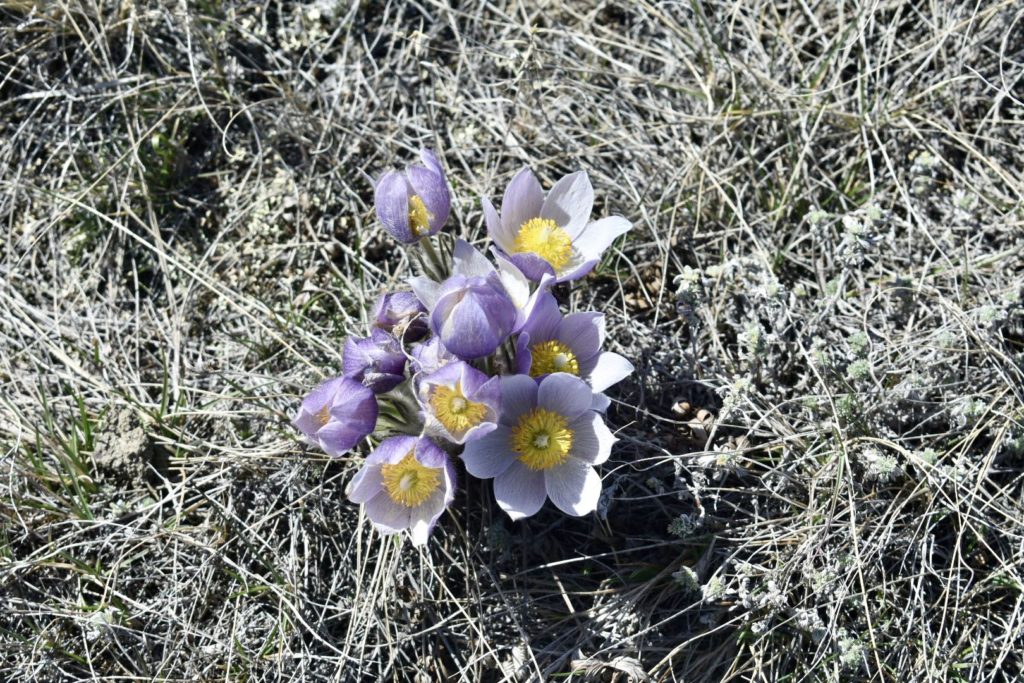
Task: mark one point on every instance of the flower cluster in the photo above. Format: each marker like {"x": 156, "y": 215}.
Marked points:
{"x": 476, "y": 361}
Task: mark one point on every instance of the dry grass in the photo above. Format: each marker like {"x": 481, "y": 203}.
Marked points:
{"x": 826, "y": 270}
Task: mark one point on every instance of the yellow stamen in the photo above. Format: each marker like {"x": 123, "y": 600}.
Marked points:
{"x": 323, "y": 416}
{"x": 453, "y": 410}
{"x": 542, "y": 439}
{"x": 409, "y": 482}
{"x": 543, "y": 237}
{"x": 553, "y": 356}
{"x": 419, "y": 217}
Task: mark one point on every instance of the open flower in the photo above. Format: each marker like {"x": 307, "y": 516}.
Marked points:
{"x": 546, "y": 444}
{"x": 405, "y": 483}
{"x": 400, "y": 314}
{"x": 337, "y": 415}
{"x": 377, "y": 361}
{"x": 459, "y": 402}
{"x": 416, "y": 203}
{"x": 472, "y": 311}
{"x": 550, "y": 342}
{"x": 551, "y": 235}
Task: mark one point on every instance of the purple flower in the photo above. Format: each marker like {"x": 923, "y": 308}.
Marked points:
{"x": 416, "y": 203}
{"x": 553, "y": 235}
{"x": 401, "y": 310}
{"x": 429, "y": 356}
{"x": 472, "y": 311}
{"x": 337, "y": 415}
{"x": 377, "y": 361}
{"x": 546, "y": 444}
{"x": 406, "y": 483}
{"x": 550, "y": 343}
{"x": 459, "y": 402}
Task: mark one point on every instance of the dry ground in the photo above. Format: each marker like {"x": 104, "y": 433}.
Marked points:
{"x": 821, "y": 465}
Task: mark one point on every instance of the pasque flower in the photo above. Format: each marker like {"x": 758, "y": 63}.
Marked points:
{"x": 546, "y": 445}
{"x": 550, "y": 342}
{"x": 401, "y": 314}
{"x": 405, "y": 483}
{"x": 377, "y": 361}
{"x": 472, "y": 311}
{"x": 459, "y": 402}
{"x": 416, "y": 203}
{"x": 430, "y": 355}
{"x": 551, "y": 235}
{"x": 337, "y": 415}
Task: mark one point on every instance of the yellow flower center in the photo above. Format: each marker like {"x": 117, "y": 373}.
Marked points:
{"x": 323, "y": 416}
{"x": 553, "y": 356}
{"x": 543, "y": 237}
{"x": 542, "y": 439}
{"x": 419, "y": 217}
{"x": 410, "y": 482}
{"x": 456, "y": 412}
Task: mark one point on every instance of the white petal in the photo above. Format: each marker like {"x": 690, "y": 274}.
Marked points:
{"x": 425, "y": 290}
{"x": 592, "y": 441}
{"x": 466, "y": 260}
{"x": 515, "y": 283}
{"x": 495, "y": 227}
{"x": 570, "y": 202}
{"x": 609, "y": 369}
{"x": 599, "y": 235}
{"x": 574, "y": 487}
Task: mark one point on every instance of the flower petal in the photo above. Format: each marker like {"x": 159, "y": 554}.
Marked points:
{"x": 520, "y": 491}
{"x": 608, "y": 369}
{"x": 432, "y": 188}
{"x": 496, "y": 227}
{"x": 599, "y": 235}
{"x": 522, "y": 201}
{"x": 489, "y": 456}
{"x": 583, "y": 333}
{"x": 531, "y": 265}
{"x": 544, "y": 319}
{"x": 592, "y": 440}
{"x": 518, "y": 396}
{"x": 366, "y": 484}
{"x": 469, "y": 262}
{"x": 512, "y": 279}
{"x": 574, "y": 487}
{"x": 426, "y": 290}
{"x": 575, "y": 272}
{"x": 564, "y": 394}
{"x": 601, "y": 403}
{"x": 387, "y": 515}
{"x": 570, "y": 202}
{"x": 391, "y": 201}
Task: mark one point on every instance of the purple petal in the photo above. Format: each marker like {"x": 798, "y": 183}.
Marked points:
{"x": 387, "y": 515}
{"x": 574, "y": 487}
{"x": 564, "y": 394}
{"x": 583, "y": 333}
{"x": 515, "y": 283}
{"x": 599, "y": 235}
{"x": 522, "y": 201}
{"x": 489, "y": 456}
{"x": 520, "y": 491}
{"x": 524, "y": 357}
{"x": 391, "y": 200}
{"x": 366, "y": 484}
{"x": 429, "y": 454}
{"x": 605, "y": 370}
{"x": 531, "y": 265}
{"x": 592, "y": 441}
{"x": 430, "y": 160}
{"x": 518, "y": 396}
{"x": 544, "y": 319}
{"x": 601, "y": 403}
{"x": 432, "y": 188}
{"x": 570, "y": 202}
{"x": 337, "y": 437}
{"x": 392, "y": 450}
